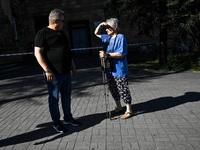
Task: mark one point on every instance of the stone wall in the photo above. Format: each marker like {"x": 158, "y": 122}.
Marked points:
{"x": 6, "y": 32}
{"x": 25, "y": 11}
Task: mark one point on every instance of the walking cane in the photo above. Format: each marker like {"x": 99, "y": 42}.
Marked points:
{"x": 105, "y": 82}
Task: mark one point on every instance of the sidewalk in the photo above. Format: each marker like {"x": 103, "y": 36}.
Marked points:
{"x": 166, "y": 107}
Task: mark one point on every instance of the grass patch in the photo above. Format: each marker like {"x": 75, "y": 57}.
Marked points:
{"x": 181, "y": 62}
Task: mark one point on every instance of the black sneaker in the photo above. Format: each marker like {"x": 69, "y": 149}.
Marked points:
{"x": 73, "y": 122}
{"x": 59, "y": 127}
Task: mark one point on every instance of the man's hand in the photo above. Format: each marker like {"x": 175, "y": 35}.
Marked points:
{"x": 74, "y": 72}
{"x": 50, "y": 76}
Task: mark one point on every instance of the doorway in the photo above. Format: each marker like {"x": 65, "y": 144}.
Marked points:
{"x": 79, "y": 35}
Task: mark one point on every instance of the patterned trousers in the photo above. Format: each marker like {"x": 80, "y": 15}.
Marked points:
{"x": 118, "y": 87}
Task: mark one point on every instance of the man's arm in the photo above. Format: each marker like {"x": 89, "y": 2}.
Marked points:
{"x": 39, "y": 57}
{"x": 73, "y": 68}
{"x": 42, "y": 63}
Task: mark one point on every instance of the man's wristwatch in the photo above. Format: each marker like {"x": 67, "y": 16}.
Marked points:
{"x": 47, "y": 71}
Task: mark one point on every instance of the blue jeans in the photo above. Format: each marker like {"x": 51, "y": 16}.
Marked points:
{"x": 62, "y": 85}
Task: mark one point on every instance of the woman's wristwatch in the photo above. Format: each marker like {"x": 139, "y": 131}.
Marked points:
{"x": 106, "y": 55}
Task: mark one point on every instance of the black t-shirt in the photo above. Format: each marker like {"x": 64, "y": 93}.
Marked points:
{"x": 57, "y": 53}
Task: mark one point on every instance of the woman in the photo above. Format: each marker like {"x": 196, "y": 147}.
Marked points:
{"x": 117, "y": 77}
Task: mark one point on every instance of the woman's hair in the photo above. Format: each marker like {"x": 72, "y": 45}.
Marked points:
{"x": 115, "y": 22}
{"x": 55, "y": 14}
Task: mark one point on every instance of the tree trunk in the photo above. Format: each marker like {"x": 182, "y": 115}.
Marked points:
{"x": 163, "y": 33}
{"x": 163, "y": 47}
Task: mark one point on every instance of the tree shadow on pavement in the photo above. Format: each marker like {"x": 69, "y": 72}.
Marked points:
{"x": 24, "y": 98}
{"x": 22, "y": 89}
{"x": 45, "y": 130}
{"x": 137, "y": 74}
{"x": 164, "y": 103}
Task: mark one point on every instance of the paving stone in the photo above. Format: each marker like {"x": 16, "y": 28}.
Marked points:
{"x": 166, "y": 108}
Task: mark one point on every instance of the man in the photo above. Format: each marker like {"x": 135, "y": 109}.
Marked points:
{"x": 54, "y": 56}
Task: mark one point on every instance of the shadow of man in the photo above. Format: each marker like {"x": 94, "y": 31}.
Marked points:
{"x": 46, "y": 130}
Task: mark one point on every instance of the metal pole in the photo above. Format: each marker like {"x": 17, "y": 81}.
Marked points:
{"x": 105, "y": 82}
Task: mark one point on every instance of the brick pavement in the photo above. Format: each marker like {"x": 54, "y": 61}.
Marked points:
{"x": 166, "y": 107}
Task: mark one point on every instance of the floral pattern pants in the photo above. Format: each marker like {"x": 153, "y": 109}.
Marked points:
{"x": 118, "y": 87}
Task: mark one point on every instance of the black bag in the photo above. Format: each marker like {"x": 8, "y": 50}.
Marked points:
{"x": 109, "y": 64}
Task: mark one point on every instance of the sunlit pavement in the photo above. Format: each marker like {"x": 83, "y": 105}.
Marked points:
{"x": 166, "y": 107}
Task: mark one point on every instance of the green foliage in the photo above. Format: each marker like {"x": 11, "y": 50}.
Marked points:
{"x": 183, "y": 62}
{"x": 138, "y": 12}
{"x": 183, "y": 15}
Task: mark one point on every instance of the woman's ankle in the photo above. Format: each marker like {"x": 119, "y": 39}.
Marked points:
{"x": 129, "y": 108}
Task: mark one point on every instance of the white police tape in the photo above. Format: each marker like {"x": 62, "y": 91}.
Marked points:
{"x": 16, "y": 54}
{"x": 74, "y": 49}
{"x": 136, "y": 44}
{"x": 88, "y": 48}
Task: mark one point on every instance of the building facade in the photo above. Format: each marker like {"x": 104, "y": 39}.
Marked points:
{"x": 21, "y": 19}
